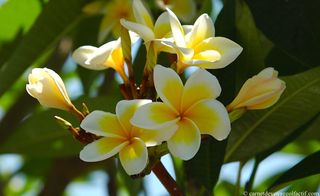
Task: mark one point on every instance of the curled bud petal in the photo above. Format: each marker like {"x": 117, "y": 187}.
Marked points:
{"x": 259, "y": 92}
{"x": 47, "y": 86}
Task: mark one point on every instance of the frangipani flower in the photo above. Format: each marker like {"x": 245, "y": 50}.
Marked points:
{"x": 191, "y": 108}
{"x": 48, "y": 88}
{"x": 113, "y": 11}
{"x": 185, "y": 10}
{"x": 144, "y": 26}
{"x": 260, "y": 91}
{"x": 120, "y": 136}
{"x": 199, "y": 47}
{"x": 107, "y": 55}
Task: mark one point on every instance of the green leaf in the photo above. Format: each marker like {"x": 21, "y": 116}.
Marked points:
{"x": 312, "y": 132}
{"x": 204, "y": 168}
{"x": 284, "y": 63}
{"x": 257, "y": 131}
{"x": 227, "y": 75}
{"x": 56, "y": 19}
{"x": 255, "y": 46}
{"x": 242, "y": 29}
{"x": 16, "y": 16}
{"x": 307, "y": 167}
{"x": 41, "y": 136}
{"x": 292, "y": 25}
{"x": 286, "y": 140}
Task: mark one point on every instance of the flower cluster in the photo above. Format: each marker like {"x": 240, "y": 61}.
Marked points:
{"x": 180, "y": 113}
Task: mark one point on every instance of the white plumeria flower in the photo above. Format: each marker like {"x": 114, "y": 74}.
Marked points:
{"x": 48, "y": 88}
{"x": 259, "y": 92}
{"x": 199, "y": 47}
{"x": 120, "y": 136}
{"x": 107, "y": 55}
{"x": 191, "y": 110}
{"x": 145, "y": 27}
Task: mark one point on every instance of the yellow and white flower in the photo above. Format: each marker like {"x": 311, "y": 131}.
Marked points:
{"x": 120, "y": 136}
{"x": 48, "y": 88}
{"x": 145, "y": 27}
{"x": 113, "y": 11}
{"x": 107, "y": 55}
{"x": 259, "y": 92}
{"x": 199, "y": 47}
{"x": 185, "y": 10}
{"x": 190, "y": 109}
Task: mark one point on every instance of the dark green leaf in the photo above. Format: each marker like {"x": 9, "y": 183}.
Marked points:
{"x": 56, "y": 19}
{"x": 225, "y": 27}
{"x": 307, "y": 167}
{"x": 255, "y": 48}
{"x": 257, "y": 131}
{"x": 283, "y": 62}
{"x": 312, "y": 132}
{"x": 291, "y": 25}
{"x": 204, "y": 168}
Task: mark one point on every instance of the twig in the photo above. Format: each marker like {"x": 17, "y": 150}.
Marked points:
{"x": 168, "y": 182}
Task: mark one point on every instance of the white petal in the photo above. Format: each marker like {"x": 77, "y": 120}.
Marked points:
{"x": 202, "y": 29}
{"x": 199, "y": 86}
{"x": 141, "y": 14}
{"x": 267, "y": 73}
{"x": 125, "y": 110}
{"x": 134, "y": 157}
{"x": 101, "y": 55}
{"x": 82, "y": 54}
{"x": 154, "y": 116}
{"x": 60, "y": 84}
{"x": 168, "y": 86}
{"x": 47, "y": 86}
{"x": 211, "y": 117}
{"x": 162, "y": 26}
{"x": 144, "y": 31}
{"x": 156, "y": 137}
{"x": 185, "y": 143}
{"x": 187, "y": 29}
{"x": 176, "y": 28}
{"x": 103, "y": 124}
{"x": 101, "y": 149}
{"x": 228, "y": 50}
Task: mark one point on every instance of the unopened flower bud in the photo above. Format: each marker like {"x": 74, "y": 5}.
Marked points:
{"x": 48, "y": 88}
{"x": 259, "y": 92}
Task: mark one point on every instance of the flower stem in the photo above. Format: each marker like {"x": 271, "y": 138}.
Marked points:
{"x": 168, "y": 182}
{"x": 238, "y": 183}
{"x": 236, "y": 114}
{"x": 77, "y": 113}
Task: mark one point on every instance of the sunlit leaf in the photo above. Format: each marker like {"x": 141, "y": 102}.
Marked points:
{"x": 56, "y": 19}
{"x": 15, "y": 16}
{"x": 307, "y": 167}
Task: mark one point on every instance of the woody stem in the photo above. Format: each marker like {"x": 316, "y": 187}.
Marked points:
{"x": 167, "y": 181}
